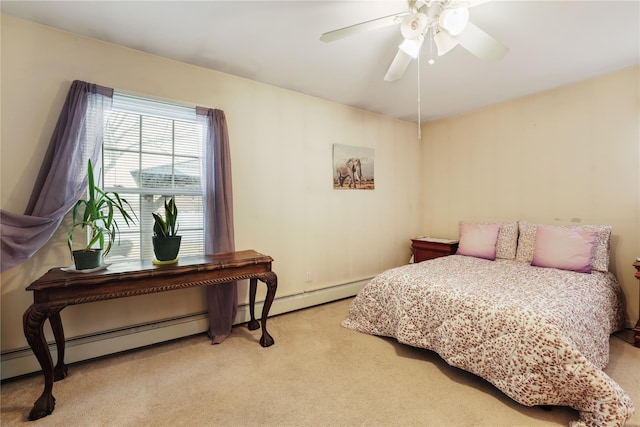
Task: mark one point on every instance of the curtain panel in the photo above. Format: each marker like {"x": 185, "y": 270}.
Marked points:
{"x": 222, "y": 299}
{"x": 62, "y": 179}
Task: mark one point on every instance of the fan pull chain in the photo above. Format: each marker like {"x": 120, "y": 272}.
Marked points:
{"x": 419, "y": 112}
{"x": 431, "y": 60}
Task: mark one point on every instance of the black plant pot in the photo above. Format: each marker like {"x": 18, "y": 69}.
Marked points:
{"x": 87, "y": 259}
{"x": 166, "y": 248}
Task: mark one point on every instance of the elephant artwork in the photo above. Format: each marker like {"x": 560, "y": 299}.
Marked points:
{"x": 352, "y": 169}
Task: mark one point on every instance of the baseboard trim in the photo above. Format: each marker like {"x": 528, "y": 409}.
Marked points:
{"x": 22, "y": 361}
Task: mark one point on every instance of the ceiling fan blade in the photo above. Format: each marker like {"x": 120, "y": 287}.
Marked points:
{"x": 398, "y": 66}
{"x": 362, "y": 27}
{"x": 481, "y": 44}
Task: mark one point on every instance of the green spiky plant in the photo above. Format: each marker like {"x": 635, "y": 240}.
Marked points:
{"x": 166, "y": 242}
{"x": 97, "y": 215}
{"x": 167, "y": 227}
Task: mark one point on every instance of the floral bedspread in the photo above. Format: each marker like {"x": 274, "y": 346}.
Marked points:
{"x": 540, "y": 335}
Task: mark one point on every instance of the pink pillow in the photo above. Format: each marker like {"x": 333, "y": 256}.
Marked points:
{"x": 564, "y": 248}
{"x": 478, "y": 240}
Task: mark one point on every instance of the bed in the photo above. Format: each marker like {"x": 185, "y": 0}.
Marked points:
{"x": 528, "y": 307}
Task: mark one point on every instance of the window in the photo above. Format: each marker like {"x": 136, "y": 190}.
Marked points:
{"x": 152, "y": 151}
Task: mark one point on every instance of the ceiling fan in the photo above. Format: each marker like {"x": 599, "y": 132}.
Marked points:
{"x": 446, "y": 22}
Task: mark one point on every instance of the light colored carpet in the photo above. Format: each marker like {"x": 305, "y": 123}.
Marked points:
{"x": 316, "y": 374}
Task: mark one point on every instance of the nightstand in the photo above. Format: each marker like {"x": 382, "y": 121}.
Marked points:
{"x": 429, "y": 248}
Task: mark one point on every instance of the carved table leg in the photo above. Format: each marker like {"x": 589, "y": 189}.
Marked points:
{"x": 60, "y": 370}
{"x": 271, "y": 281}
{"x": 253, "y": 323}
{"x": 33, "y": 322}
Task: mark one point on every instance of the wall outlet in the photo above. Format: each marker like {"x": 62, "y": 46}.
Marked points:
{"x": 309, "y": 276}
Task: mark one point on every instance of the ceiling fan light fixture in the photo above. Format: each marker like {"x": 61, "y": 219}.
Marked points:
{"x": 454, "y": 20}
{"x": 412, "y": 26}
{"x": 444, "y": 42}
{"x": 412, "y": 47}
{"x": 417, "y": 4}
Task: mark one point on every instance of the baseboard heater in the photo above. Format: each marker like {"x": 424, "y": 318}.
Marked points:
{"x": 22, "y": 361}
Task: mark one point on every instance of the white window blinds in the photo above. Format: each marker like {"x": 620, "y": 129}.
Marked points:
{"x": 152, "y": 151}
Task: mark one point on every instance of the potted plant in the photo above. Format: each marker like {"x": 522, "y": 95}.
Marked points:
{"x": 166, "y": 242}
{"x": 98, "y": 216}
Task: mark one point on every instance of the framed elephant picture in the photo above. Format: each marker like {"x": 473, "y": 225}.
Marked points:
{"x": 353, "y": 167}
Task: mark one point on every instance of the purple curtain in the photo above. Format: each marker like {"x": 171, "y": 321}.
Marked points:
{"x": 62, "y": 179}
{"x": 222, "y": 299}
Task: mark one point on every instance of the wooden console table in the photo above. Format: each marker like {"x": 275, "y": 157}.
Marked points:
{"x": 58, "y": 289}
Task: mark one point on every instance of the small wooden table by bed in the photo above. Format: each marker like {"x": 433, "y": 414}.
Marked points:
{"x": 58, "y": 289}
{"x": 430, "y": 248}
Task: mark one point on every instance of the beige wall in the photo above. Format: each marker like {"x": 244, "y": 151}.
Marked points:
{"x": 566, "y": 156}
{"x": 281, "y": 148}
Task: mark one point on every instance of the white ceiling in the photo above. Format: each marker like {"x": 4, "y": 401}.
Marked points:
{"x": 552, "y": 43}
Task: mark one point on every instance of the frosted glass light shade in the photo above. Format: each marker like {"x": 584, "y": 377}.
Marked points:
{"x": 412, "y": 47}
{"x": 454, "y": 20}
{"x": 444, "y": 42}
